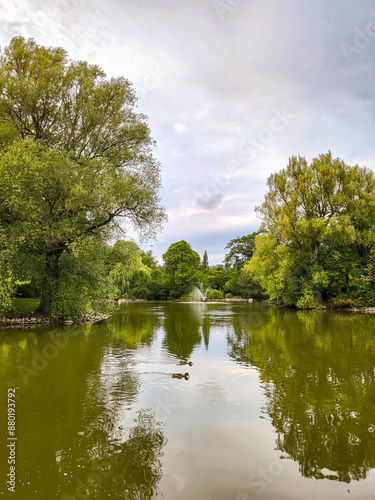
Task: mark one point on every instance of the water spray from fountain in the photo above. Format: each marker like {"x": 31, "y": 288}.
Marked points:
{"x": 200, "y": 294}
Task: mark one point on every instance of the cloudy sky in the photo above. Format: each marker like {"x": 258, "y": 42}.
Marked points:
{"x": 232, "y": 89}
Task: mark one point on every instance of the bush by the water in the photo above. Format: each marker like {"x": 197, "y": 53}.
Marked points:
{"x": 215, "y": 294}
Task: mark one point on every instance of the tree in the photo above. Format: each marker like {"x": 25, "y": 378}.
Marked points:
{"x": 148, "y": 259}
{"x": 71, "y": 105}
{"x": 76, "y": 160}
{"x": 239, "y": 282}
{"x": 158, "y": 288}
{"x": 7, "y": 285}
{"x": 318, "y": 241}
{"x": 205, "y": 260}
{"x": 126, "y": 264}
{"x": 181, "y": 268}
{"x": 241, "y": 249}
{"x": 215, "y": 279}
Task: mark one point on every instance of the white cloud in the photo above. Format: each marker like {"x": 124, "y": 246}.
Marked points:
{"x": 180, "y": 127}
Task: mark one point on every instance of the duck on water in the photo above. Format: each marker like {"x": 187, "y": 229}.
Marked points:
{"x": 181, "y": 375}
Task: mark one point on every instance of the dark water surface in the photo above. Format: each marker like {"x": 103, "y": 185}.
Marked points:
{"x": 280, "y": 404}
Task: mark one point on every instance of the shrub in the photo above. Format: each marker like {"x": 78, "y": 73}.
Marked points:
{"x": 186, "y": 298}
{"x": 215, "y": 294}
{"x": 344, "y": 301}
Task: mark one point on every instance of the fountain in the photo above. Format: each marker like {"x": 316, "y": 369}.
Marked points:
{"x": 199, "y": 293}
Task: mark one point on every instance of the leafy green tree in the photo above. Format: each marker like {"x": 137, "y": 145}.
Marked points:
{"x": 158, "y": 288}
{"x": 241, "y": 249}
{"x": 83, "y": 282}
{"x": 148, "y": 259}
{"x": 7, "y": 286}
{"x": 318, "y": 241}
{"x": 216, "y": 279}
{"x": 210, "y": 277}
{"x": 126, "y": 265}
{"x": 76, "y": 161}
{"x": 205, "y": 260}
{"x": 71, "y": 105}
{"x": 239, "y": 282}
{"x": 181, "y": 268}
{"x": 134, "y": 272}
{"x": 217, "y": 267}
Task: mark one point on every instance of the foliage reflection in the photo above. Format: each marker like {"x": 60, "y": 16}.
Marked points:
{"x": 318, "y": 373}
{"x": 134, "y": 326}
{"x": 182, "y": 323}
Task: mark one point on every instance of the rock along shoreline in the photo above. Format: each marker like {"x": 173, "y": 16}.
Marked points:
{"x": 364, "y": 309}
{"x": 35, "y": 320}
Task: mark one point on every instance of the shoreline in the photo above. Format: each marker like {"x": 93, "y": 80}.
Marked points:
{"x": 364, "y": 309}
{"x": 233, "y": 299}
{"x": 93, "y": 317}
{"x": 36, "y": 320}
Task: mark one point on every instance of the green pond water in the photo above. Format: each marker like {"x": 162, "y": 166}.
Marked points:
{"x": 280, "y": 404}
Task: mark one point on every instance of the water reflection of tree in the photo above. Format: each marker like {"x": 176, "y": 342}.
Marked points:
{"x": 206, "y": 326}
{"x": 111, "y": 458}
{"x": 182, "y": 325}
{"x": 318, "y": 373}
{"x": 142, "y": 468}
{"x": 75, "y": 435}
{"x": 76, "y": 430}
{"x": 125, "y": 468}
{"x": 134, "y": 325}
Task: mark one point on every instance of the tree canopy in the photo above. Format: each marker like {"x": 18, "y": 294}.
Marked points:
{"x": 181, "y": 268}
{"x": 76, "y": 160}
{"x": 71, "y": 105}
{"x": 318, "y": 234}
{"x": 126, "y": 262}
{"x": 241, "y": 249}
{"x": 205, "y": 260}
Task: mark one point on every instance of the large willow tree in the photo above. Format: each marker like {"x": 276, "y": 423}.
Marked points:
{"x": 75, "y": 162}
{"x": 318, "y": 234}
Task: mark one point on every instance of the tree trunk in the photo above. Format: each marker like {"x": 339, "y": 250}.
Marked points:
{"x": 50, "y": 282}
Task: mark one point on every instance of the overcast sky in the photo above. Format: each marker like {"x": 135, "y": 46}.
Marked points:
{"x": 232, "y": 89}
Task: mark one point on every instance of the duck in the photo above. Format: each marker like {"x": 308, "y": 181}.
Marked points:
{"x": 181, "y": 375}
{"x": 185, "y": 363}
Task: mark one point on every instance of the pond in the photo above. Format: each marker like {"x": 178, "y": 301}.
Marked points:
{"x": 280, "y": 404}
